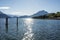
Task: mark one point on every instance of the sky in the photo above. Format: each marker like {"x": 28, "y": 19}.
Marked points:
{"x": 28, "y": 7}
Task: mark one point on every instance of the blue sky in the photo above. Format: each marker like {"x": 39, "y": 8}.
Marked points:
{"x": 28, "y": 7}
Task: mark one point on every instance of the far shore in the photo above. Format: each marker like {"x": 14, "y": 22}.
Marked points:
{"x": 41, "y": 18}
{"x": 48, "y": 18}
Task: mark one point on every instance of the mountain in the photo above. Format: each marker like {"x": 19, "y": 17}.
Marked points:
{"x": 13, "y": 16}
{"x": 55, "y": 16}
{"x": 40, "y": 13}
{"x": 25, "y": 16}
{"x": 2, "y": 15}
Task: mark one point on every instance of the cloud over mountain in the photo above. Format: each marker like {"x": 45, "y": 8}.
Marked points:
{"x": 5, "y": 7}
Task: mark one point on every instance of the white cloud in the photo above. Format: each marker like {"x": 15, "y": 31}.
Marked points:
{"x": 21, "y": 13}
{"x": 4, "y": 7}
{"x": 16, "y": 13}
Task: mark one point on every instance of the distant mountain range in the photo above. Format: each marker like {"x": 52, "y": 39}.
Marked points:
{"x": 2, "y": 15}
{"x": 25, "y": 16}
{"x": 48, "y": 16}
{"x": 39, "y": 13}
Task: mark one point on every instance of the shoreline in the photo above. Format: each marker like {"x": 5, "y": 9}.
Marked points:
{"x": 42, "y": 18}
{"x": 48, "y": 18}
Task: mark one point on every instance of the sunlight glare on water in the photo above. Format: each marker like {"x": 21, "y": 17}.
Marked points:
{"x": 28, "y": 35}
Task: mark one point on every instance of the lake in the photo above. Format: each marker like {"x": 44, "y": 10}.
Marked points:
{"x": 29, "y": 29}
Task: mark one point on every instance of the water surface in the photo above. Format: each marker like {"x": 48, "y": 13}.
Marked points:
{"x": 29, "y": 29}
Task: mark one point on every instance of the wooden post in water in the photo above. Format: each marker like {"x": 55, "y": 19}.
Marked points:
{"x": 17, "y": 21}
{"x": 17, "y": 26}
{"x": 6, "y": 21}
{"x": 6, "y": 25}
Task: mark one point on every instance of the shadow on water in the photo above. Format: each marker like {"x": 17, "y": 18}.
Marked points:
{"x": 6, "y": 28}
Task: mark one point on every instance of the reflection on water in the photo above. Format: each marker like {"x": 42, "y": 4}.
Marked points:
{"x": 28, "y": 35}
{"x": 29, "y": 29}
{"x": 6, "y": 28}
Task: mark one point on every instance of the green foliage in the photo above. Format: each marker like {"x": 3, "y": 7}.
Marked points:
{"x": 58, "y": 14}
{"x": 51, "y": 15}
{"x": 54, "y": 15}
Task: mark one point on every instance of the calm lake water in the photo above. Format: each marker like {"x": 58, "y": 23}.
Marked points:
{"x": 29, "y": 29}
